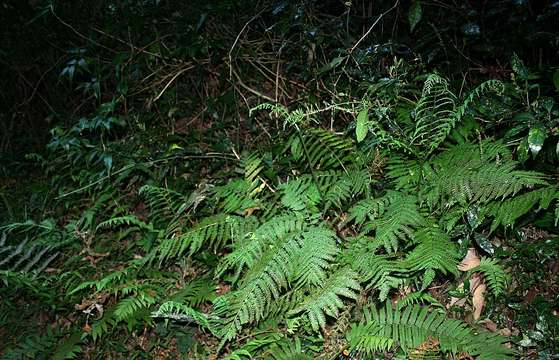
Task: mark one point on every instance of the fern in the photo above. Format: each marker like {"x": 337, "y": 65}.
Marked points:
{"x": 434, "y": 252}
{"x": 396, "y": 223}
{"x": 196, "y": 292}
{"x": 371, "y": 209}
{"x": 434, "y": 114}
{"x": 410, "y": 327}
{"x": 322, "y": 150}
{"x": 26, "y": 257}
{"x": 180, "y": 312}
{"x": 493, "y": 274}
{"x": 507, "y": 212}
{"x": 248, "y": 249}
{"x": 327, "y": 299}
{"x": 300, "y": 193}
{"x": 127, "y": 307}
{"x": 283, "y": 350}
{"x": 366, "y": 338}
{"x": 317, "y": 250}
{"x": 437, "y": 111}
{"x": 214, "y": 231}
{"x": 346, "y": 186}
{"x": 127, "y": 220}
{"x": 300, "y": 257}
{"x": 470, "y": 173}
{"x": 164, "y": 203}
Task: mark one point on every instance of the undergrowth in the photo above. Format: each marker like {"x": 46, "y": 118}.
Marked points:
{"x": 381, "y": 222}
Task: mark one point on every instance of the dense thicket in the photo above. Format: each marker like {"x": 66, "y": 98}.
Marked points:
{"x": 292, "y": 179}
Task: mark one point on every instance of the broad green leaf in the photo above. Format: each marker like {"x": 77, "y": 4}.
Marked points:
{"x": 484, "y": 243}
{"x": 536, "y": 137}
{"x": 415, "y": 14}
{"x": 108, "y": 160}
{"x": 523, "y": 151}
{"x": 362, "y": 124}
{"x": 331, "y": 65}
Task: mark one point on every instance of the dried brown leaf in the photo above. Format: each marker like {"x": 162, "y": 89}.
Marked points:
{"x": 470, "y": 261}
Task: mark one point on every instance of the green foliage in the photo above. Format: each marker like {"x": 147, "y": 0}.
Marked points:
{"x": 494, "y": 275}
{"x": 384, "y": 328}
{"x": 327, "y": 299}
{"x": 183, "y": 224}
{"x": 434, "y": 114}
{"x": 472, "y": 173}
{"x": 434, "y": 252}
{"x": 213, "y": 232}
{"x": 180, "y": 312}
{"x": 25, "y": 257}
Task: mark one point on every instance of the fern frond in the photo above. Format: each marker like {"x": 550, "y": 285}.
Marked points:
{"x": 373, "y": 208}
{"x": 26, "y": 257}
{"x": 259, "y": 287}
{"x": 397, "y": 222}
{"x": 434, "y": 252}
{"x": 214, "y": 232}
{"x": 317, "y": 250}
{"x": 299, "y": 257}
{"x": 469, "y": 173}
{"x": 327, "y": 299}
{"x": 180, "y": 312}
{"x": 127, "y": 220}
{"x": 366, "y": 338}
{"x": 413, "y": 325}
{"x": 248, "y": 249}
{"x": 236, "y": 195}
{"x": 494, "y": 275}
{"x": 127, "y": 307}
{"x": 163, "y": 203}
{"x": 249, "y": 349}
{"x": 300, "y": 193}
{"x": 418, "y": 298}
{"x": 508, "y": 211}
{"x": 434, "y": 114}
{"x": 348, "y": 185}
{"x": 406, "y": 174}
{"x": 196, "y": 292}
{"x": 489, "y": 86}
{"x": 324, "y": 150}
{"x": 288, "y": 350}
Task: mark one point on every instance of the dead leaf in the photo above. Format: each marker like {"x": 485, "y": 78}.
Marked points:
{"x": 454, "y": 301}
{"x": 248, "y": 212}
{"x": 505, "y": 332}
{"x": 477, "y": 288}
{"x": 87, "y": 328}
{"x": 489, "y": 325}
{"x": 86, "y": 303}
{"x": 470, "y": 261}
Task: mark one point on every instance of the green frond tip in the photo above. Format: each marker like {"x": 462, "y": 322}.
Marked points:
{"x": 434, "y": 114}
{"x": 494, "y": 275}
{"x": 327, "y": 299}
